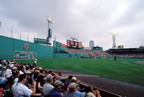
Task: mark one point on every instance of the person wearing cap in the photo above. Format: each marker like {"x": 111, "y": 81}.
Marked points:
{"x": 48, "y": 87}
{"x": 73, "y": 79}
{"x": 29, "y": 79}
{"x": 56, "y": 92}
{"x": 14, "y": 71}
{"x": 72, "y": 90}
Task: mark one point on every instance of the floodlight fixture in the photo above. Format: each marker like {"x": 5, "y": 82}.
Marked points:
{"x": 49, "y": 19}
{"x": 113, "y": 33}
{"x": 114, "y": 39}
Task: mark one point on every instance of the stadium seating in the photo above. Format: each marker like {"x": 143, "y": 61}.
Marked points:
{"x": 88, "y": 53}
{"x": 41, "y": 74}
{"x": 127, "y": 52}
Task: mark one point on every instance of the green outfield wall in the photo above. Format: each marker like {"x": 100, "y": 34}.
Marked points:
{"x": 13, "y": 48}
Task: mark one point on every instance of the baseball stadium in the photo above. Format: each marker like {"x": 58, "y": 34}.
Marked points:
{"x": 116, "y": 72}
{"x": 71, "y": 48}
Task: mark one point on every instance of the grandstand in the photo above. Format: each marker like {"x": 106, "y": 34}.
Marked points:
{"x": 88, "y": 53}
{"x": 127, "y": 52}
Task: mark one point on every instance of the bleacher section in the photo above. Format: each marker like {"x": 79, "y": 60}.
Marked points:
{"x": 127, "y": 52}
{"x": 88, "y": 53}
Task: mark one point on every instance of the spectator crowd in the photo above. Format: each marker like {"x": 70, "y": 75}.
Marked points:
{"x": 29, "y": 80}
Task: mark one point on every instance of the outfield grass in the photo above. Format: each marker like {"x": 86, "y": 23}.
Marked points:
{"x": 122, "y": 69}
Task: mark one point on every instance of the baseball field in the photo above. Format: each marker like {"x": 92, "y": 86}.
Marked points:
{"x": 124, "y": 69}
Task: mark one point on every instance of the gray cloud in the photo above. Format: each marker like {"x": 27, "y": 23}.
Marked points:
{"x": 84, "y": 19}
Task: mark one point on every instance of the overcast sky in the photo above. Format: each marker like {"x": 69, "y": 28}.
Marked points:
{"x": 83, "y": 19}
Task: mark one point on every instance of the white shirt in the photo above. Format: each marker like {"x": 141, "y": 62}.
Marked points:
{"x": 11, "y": 65}
{"x": 20, "y": 89}
{"x": 47, "y": 88}
{"x": 15, "y": 81}
{"x": 8, "y": 73}
{"x": 21, "y": 72}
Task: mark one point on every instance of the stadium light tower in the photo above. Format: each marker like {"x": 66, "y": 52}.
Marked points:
{"x": 114, "y": 39}
{"x": 49, "y": 29}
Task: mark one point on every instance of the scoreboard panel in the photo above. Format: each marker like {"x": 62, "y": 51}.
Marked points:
{"x": 74, "y": 44}
{"x": 79, "y": 45}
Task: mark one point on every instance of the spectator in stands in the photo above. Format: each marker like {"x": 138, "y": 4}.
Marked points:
{"x": 60, "y": 76}
{"x": 14, "y": 71}
{"x": 96, "y": 92}
{"x": 16, "y": 77}
{"x": 28, "y": 68}
{"x": 55, "y": 77}
{"x": 67, "y": 82}
{"x": 35, "y": 80}
{"x": 50, "y": 73}
{"x": 21, "y": 70}
{"x": 29, "y": 79}
{"x": 9, "y": 76}
{"x": 40, "y": 82}
{"x": 3, "y": 71}
{"x": 3, "y": 78}
{"x": 77, "y": 92}
{"x": 56, "y": 92}
{"x": 9, "y": 72}
{"x": 72, "y": 90}
{"x": 90, "y": 92}
{"x": 21, "y": 90}
{"x": 11, "y": 65}
{"x": 73, "y": 79}
{"x": 48, "y": 87}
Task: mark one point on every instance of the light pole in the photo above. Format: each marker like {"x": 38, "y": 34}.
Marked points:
{"x": 49, "y": 29}
{"x": 114, "y": 39}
